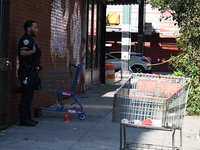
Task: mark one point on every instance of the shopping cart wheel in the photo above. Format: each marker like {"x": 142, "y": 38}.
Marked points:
{"x": 81, "y": 115}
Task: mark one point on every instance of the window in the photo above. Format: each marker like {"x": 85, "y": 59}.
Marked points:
{"x": 117, "y": 55}
{"x": 92, "y": 44}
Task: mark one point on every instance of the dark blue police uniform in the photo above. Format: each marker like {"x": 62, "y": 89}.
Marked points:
{"x": 28, "y": 76}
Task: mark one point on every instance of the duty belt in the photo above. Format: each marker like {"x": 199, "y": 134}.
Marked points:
{"x": 36, "y": 69}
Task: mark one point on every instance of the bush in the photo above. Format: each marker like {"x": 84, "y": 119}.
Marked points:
{"x": 188, "y": 64}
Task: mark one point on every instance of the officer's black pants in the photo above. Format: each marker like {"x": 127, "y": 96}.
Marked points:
{"x": 27, "y": 93}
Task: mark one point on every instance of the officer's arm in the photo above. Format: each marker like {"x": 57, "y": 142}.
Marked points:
{"x": 25, "y": 53}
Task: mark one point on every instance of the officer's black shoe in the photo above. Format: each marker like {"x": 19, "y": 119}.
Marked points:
{"x": 27, "y": 123}
{"x": 35, "y": 121}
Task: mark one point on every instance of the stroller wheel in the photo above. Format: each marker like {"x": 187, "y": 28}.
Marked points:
{"x": 81, "y": 115}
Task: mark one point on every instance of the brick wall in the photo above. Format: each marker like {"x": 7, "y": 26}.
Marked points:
{"x": 59, "y": 36}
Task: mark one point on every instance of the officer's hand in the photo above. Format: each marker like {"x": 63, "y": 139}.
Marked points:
{"x": 34, "y": 48}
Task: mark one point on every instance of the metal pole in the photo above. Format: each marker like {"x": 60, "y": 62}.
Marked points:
{"x": 181, "y": 138}
{"x": 173, "y": 139}
{"x": 141, "y": 27}
{"x": 121, "y": 136}
{"x": 1, "y": 9}
{"x": 126, "y": 39}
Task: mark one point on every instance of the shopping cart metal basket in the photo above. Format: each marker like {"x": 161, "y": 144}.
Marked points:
{"x": 150, "y": 101}
{"x": 62, "y": 81}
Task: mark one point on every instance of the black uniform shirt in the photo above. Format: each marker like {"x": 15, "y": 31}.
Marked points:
{"x": 26, "y": 43}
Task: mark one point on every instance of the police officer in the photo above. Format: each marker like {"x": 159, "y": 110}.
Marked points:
{"x": 29, "y": 55}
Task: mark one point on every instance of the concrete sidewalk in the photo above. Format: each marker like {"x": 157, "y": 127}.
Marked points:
{"x": 96, "y": 132}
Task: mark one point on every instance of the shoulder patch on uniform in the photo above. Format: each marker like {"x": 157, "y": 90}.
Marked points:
{"x": 26, "y": 42}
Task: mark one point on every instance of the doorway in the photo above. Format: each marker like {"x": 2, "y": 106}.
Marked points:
{"x": 4, "y": 62}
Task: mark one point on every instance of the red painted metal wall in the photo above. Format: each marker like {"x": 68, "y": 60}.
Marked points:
{"x": 160, "y": 50}
{"x": 157, "y": 48}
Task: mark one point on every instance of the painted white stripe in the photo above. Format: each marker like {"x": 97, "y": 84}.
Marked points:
{"x": 126, "y": 27}
{"x": 125, "y": 41}
{"x": 110, "y": 72}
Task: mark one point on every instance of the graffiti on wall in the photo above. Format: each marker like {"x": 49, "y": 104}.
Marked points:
{"x": 75, "y": 28}
{"x": 65, "y": 30}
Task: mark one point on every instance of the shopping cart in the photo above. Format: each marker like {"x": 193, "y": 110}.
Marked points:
{"x": 62, "y": 81}
{"x": 153, "y": 102}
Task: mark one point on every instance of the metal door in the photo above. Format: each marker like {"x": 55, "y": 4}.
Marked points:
{"x": 4, "y": 61}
